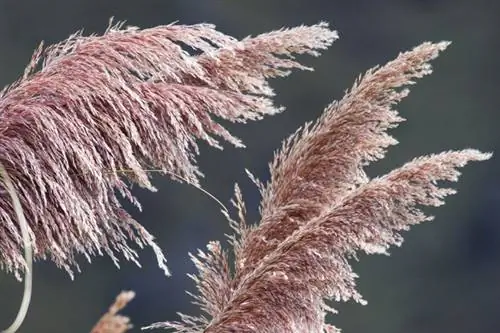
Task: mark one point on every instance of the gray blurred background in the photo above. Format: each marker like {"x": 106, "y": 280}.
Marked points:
{"x": 446, "y": 276}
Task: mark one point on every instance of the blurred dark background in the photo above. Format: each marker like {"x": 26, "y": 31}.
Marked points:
{"x": 446, "y": 276}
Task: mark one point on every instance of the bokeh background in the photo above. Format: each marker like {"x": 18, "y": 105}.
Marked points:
{"x": 446, "y": 276}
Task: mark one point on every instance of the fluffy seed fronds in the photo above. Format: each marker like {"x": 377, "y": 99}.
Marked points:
{"x": 325, "y": 159}
{"x": 111, "y": 321}
{"x": 91, "y": 114}
{"x": 320, "y": 209}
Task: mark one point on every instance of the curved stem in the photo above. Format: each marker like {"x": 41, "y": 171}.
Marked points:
{"x": 28, "y": 252}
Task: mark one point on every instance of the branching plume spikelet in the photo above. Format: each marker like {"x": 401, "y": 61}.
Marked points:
{"x": 91, "y": 107}
{"x": 92, "y": 114}
{"x": 111, "y": 321}
{"x": 319, "y": 209}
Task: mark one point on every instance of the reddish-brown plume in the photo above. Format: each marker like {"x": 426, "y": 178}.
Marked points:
{"x": 92, "y": 114}
{"x": 320, "y": 209}
{"x": 111, "y": 321}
